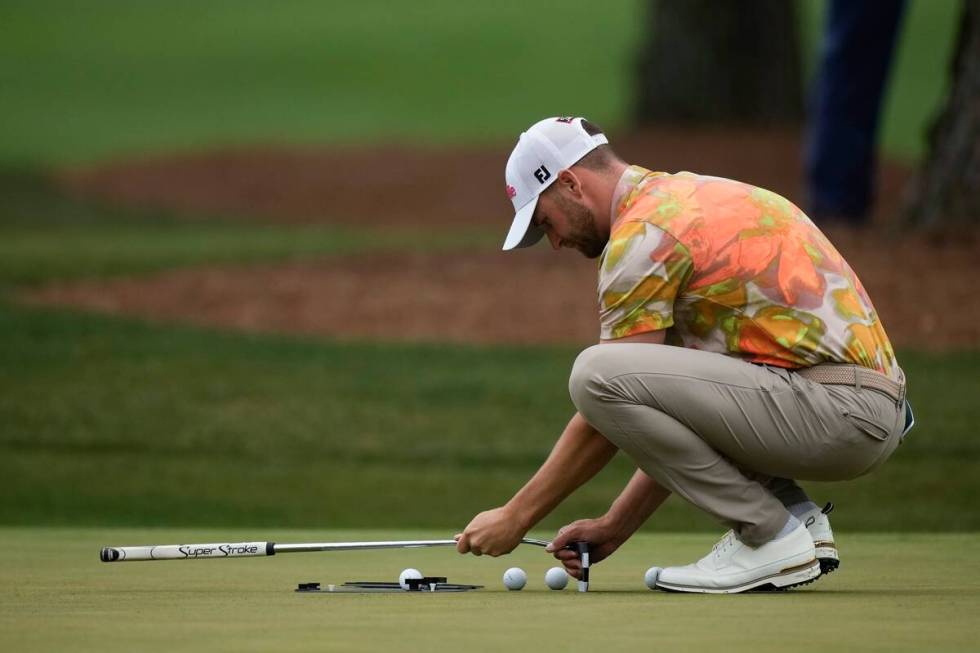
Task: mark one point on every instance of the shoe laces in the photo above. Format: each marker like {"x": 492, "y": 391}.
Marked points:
{"x": 727, "y": 541}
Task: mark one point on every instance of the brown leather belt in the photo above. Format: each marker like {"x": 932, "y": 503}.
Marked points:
{"x": 856, "y": 376}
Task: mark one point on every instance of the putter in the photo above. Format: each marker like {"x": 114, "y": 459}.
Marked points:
{"x": 256, "y": 549}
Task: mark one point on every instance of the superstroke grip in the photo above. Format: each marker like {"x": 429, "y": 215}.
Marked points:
{"x": 188, "y": 551}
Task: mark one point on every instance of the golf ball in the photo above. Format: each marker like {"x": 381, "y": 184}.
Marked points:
{"x": 406, "y": 574}
{"x": 515, "y": 578}
{"x": 650, "y": 578}
{"x": 556, "y": 578}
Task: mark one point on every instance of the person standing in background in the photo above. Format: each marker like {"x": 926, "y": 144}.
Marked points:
{"x": 855, "y": 59}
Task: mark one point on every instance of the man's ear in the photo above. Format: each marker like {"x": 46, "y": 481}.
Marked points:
{"x": 569, "y": 182}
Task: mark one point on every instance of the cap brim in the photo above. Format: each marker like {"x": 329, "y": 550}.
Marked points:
{"x": 522, "y": 232}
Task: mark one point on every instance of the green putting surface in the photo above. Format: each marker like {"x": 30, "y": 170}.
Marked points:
{"x": 892, "y": 592}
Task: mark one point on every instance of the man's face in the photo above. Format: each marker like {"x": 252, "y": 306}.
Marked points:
{"x": 567, "y": 223}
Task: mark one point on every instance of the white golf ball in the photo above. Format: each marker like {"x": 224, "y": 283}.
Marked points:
{"x": 515, "y": 578}
{"x": 650, "y": 578}
{"x": 406, "y": 574}
{"x": 556, "y": 578}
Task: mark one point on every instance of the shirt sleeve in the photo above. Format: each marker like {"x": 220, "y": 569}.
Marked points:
{"x": 641, "y": 275}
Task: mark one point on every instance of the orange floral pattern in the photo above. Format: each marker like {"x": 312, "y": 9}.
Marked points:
{"x": 736, "y": 269}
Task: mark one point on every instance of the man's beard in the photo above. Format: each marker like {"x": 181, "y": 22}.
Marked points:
{"x": 584, "y": 235}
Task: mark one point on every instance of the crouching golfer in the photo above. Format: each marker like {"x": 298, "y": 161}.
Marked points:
{"x": 738, "y": 353}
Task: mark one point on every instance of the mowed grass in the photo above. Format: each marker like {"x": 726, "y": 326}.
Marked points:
{"x": 892, "y": 593}
{"x": 112, "y": 421}
{"x": 83, "y": 82}
{"x": 113, "y": 78}
{"x": 47, "y": 236}
{"x": 31, "y": 256}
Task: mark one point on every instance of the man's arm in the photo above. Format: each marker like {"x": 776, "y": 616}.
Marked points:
{"x": 579, "y": 454}
{"x": 639, "y": 499}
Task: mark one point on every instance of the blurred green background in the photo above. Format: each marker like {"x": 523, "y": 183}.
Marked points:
{"x": 85, "y": 81}
{"x": 114, "y": 421}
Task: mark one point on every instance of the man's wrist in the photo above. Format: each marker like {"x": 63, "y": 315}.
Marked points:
{"x": 519, "y": 515}
{"x": 616, "y": 527}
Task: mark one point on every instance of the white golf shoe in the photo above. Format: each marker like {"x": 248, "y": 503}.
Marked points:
{"x": 817, "y": 522}
{"x": 733, "y": 567}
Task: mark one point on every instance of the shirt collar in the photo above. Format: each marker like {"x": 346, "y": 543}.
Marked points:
{"x": 623, "y": 195}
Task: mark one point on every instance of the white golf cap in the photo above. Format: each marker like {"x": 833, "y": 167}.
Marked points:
{"x": 544, "y": 150}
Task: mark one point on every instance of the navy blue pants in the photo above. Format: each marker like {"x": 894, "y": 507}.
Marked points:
{"x": 858, "y": 43}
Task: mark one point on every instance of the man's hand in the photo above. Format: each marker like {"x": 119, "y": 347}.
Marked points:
{"x": 603, "y": 539}
{"x": 493, "y": 532}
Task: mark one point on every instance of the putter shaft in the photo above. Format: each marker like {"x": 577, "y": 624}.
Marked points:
{"x": 257, "y": 549}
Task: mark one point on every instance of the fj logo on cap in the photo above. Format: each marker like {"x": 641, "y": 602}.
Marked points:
{"x": 542, "y": 174}
{"x": 511, "y": 191}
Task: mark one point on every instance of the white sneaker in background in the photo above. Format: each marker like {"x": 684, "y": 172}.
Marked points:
{"x": 817, "y": 522}
{"x": 733, "y": 567}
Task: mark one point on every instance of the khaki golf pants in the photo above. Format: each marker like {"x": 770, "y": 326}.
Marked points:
{"x": 729, "y": 436}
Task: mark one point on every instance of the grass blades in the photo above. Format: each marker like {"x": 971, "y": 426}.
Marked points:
{"x": 892, "y": 593}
